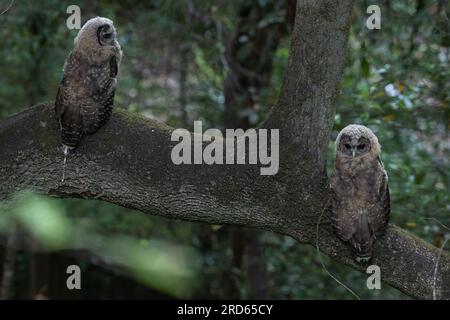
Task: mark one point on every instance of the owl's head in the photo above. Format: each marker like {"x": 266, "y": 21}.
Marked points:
{"x": 356, "y": 141}
{"x": 97, "y": 36}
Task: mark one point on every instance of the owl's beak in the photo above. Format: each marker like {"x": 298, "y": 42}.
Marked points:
{"x": 353, "y": 152}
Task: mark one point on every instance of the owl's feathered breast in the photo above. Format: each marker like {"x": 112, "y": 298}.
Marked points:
{"x": 85, "y": 96}
{"x": 359, "y": 190}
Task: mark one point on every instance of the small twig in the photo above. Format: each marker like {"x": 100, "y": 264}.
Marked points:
{"x": 436, "y": 268}
{"x": 7, "y": 8}
{"x": 436, "y": 220}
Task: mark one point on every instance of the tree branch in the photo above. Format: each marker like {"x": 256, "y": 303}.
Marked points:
{"x": 128, "y": 162}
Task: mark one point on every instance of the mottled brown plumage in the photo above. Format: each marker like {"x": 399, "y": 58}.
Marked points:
{"x": 359, "y": 190}
{"x": 86, "y": 94}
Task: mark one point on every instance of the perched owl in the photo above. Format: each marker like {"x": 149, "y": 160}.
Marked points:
{"x": 85, "y": 96}
{"x": 359, "y": 190}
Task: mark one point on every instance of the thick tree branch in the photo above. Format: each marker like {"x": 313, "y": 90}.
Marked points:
{"x": 305, "y": 111}
{"x": 128, "y": 162}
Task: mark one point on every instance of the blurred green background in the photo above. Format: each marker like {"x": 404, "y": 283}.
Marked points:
{"x": 222, "y": 62}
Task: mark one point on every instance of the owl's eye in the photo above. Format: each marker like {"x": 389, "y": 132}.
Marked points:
{"x": 347, "y": 146}
{"x": 361, "y": 146}
{"x": 105, "y": 34}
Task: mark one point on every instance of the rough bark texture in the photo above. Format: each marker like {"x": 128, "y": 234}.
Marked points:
{"x": 128, "y": 163}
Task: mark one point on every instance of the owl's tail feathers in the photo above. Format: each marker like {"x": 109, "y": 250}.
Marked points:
{"x": 362, "y": 240}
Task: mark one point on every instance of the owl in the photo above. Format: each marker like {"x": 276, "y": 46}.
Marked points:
{"x": 86, "y": 93}
{"x": 359, "y": 190}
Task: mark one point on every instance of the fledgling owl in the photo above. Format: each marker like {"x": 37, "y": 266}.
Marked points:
{"x": 359, "y": 190}
{"x": 85, "y": 96}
